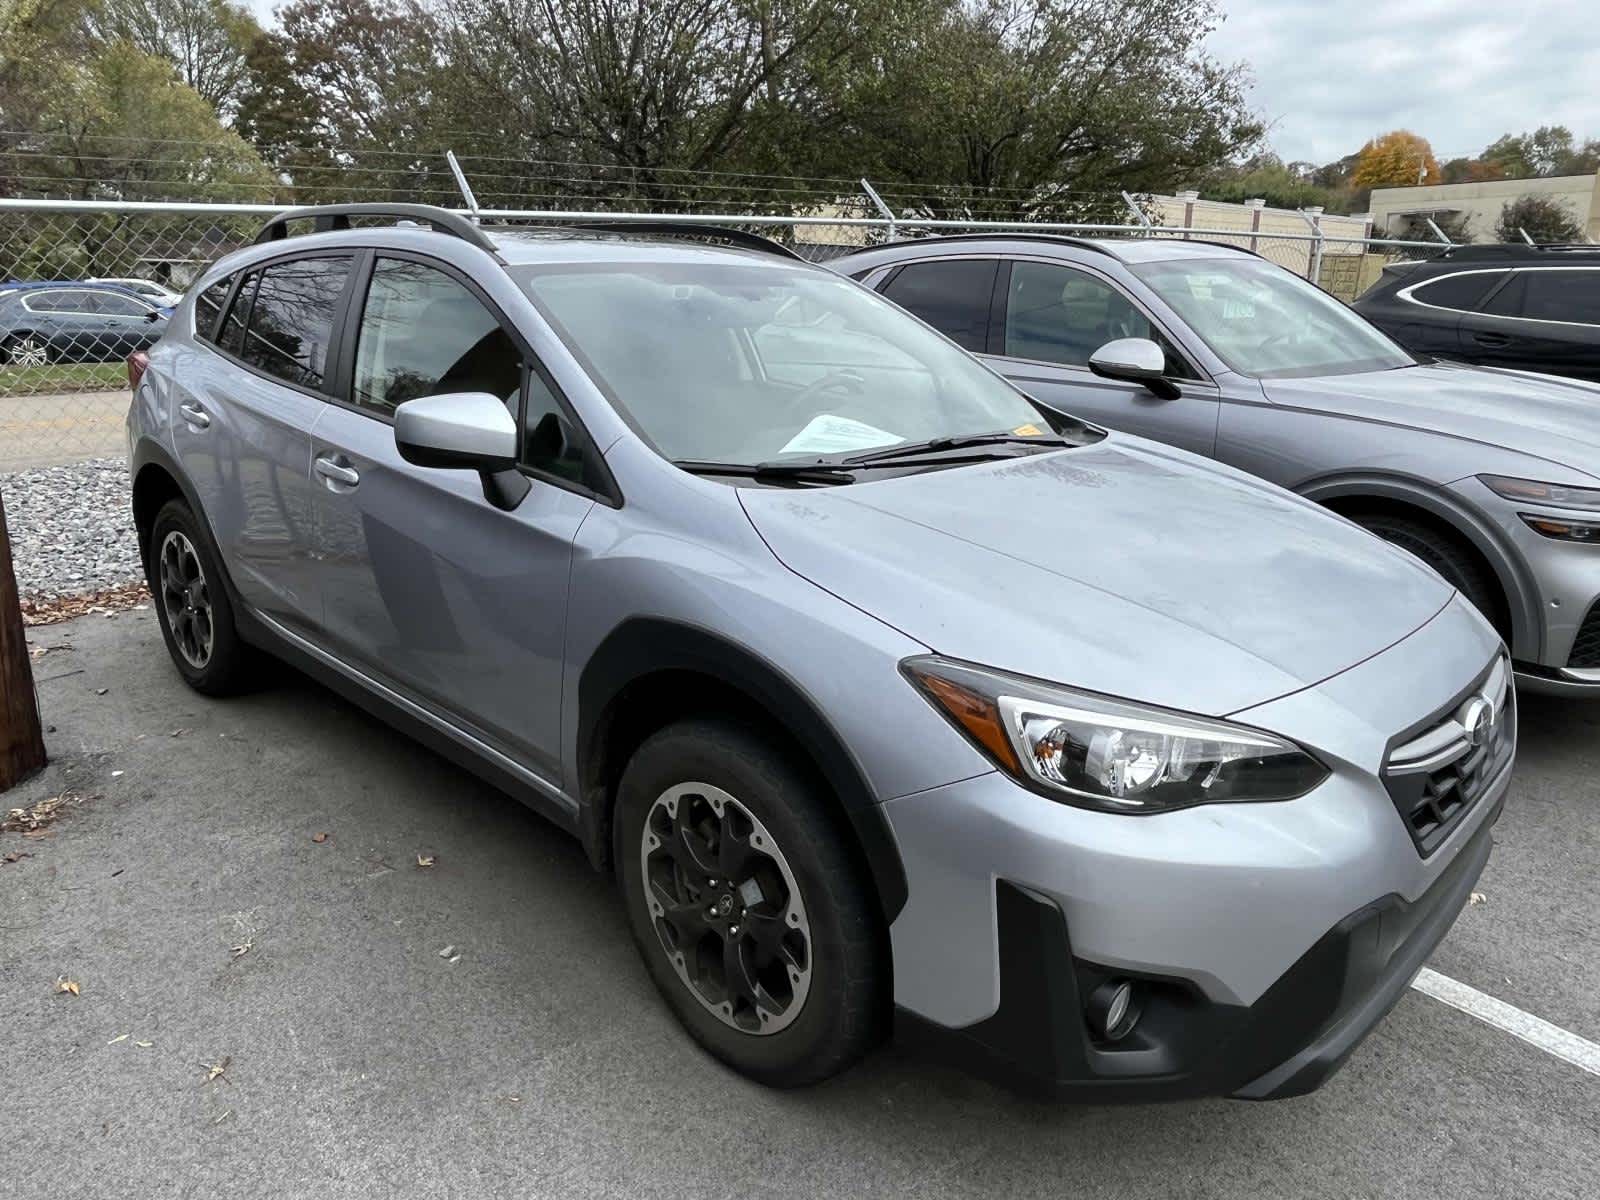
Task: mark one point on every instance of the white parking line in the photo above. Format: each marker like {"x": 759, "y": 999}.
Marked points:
{"x": 1536, "y": 1031}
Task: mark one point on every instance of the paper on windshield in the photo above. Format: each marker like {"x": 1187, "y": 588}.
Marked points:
{"x": 828, "y": 434}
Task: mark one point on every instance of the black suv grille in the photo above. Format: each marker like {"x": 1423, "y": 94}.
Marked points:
{"x": 1586, "y": 648}
{"x": 1436, "y": 775}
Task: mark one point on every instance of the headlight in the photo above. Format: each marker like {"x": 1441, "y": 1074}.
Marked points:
{"x": 1531, "y": 491}
{"x": 1097, "y": 752}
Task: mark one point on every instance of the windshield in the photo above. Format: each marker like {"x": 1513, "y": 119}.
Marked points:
{"x": 758, "y": 363}
{"x": 1264, "y": 322}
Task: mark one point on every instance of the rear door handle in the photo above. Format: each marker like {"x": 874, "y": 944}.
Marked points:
{"x": 195, "y": 415}
{"x": 1491, "y": 339}
{"x": 338, "y": 469}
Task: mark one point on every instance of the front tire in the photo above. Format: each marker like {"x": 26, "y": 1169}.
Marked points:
{"x": 1454, "y": 561}
{"x": 753, "y": 917}
{"x": 192, "y": 604}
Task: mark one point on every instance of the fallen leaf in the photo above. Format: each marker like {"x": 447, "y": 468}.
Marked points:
{"x": 178, "y": 732}
{"x": 319, "y": 838}
{"x": 453, "y": 959}
{"x": 216, "y": 1070}
{"x": 447, "y": 952}
{"x": 62, "y": 608}
{"x": 1477, "y": 898}
{"x": 15, "y": 856}
{"x": 121, "y": 1037}
{"x": 101, "y": 691}
{"x": 426, "y": 860}
{"x": 63, "y": 984}
{"x": 241, "y": 949}
{"x": 144, "y": 1045}
{"x": 118, "y": 774}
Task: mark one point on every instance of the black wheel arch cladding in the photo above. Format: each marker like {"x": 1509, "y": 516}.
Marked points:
{"x": 641, "y": 649}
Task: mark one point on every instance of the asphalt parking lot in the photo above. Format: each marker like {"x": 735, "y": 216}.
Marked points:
{"x": 339, "y": 1054}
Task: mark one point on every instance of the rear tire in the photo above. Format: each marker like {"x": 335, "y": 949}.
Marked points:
{"x": 755, "y": 921}
{"x": 1445, "y": 553}
{"x": 192, "y": 604}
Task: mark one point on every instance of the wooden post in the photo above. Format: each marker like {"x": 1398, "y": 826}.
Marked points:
{"x": 21, "y": 741}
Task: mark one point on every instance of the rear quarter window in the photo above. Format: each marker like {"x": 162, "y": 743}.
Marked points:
{"x": 208, "y": 307}
{"x": 1462, "y": 292}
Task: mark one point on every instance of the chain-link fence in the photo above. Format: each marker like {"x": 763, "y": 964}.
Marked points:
{"x": 89, "y": 282}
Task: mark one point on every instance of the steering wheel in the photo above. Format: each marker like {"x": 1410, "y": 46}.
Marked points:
{"x": 849, "y": 382}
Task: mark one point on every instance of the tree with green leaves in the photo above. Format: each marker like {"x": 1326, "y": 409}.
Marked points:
{"x": 1548, "y": 151}
{"x": 206, "y": 41}
{"x": 1544, "y": 219}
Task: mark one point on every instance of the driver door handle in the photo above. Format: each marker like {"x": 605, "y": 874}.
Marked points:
{"x": 332, "y": 468}
{"x": 195, "y": 415}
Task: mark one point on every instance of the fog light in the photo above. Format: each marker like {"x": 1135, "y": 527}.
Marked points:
{"x": 1113, "y": 1011}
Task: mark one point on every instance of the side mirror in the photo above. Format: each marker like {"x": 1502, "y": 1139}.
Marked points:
{"x": 464, "y": 431}
{"x": 1137, "y": 360}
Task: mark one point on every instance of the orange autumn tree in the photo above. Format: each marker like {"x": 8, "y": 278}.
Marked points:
{"x": 1396, "y": 159}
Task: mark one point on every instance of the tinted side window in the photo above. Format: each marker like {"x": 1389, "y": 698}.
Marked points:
{"x": 1462, "y": 292}
{"x": 1507, "y": 302}
{"x": 58, "y": 302}
{"x": 550, "y": 441}
{"x": 1056, "y": 314}
{"x": 112, "y": 305}
{"x": 291, "y": 322}
{"x": 232, "y": 335}
{"x": 951, "y": 296}
{"x": 1565, "y": 295}
{"x": 423, "y": 334}
{"x": 206, "y": 307}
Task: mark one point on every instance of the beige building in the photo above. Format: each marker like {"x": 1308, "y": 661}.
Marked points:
{"x": 1481, "y": 203}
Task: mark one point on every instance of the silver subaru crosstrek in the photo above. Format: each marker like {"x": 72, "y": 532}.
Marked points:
{"x": 891, "y": 698}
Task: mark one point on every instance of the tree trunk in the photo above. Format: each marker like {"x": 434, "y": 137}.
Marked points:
{"x": 21, "y": 741}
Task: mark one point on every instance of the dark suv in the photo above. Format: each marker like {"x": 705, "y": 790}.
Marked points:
{"x": 1530, "y": 308}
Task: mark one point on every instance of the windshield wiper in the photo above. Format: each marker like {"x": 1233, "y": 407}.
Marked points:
{"x": 939, "y": 444}
{"x": 769, "y": 471}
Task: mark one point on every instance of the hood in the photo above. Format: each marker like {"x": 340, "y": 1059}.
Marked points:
{"x": 1554, "y": 419}
{"x": 1123, "y": 567}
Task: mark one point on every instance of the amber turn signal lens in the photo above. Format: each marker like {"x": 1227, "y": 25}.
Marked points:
{"x": 974, "y": 713}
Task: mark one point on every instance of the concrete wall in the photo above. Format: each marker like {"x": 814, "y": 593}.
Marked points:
{"x": 1253, "y": 220}
{"x": 1482, "y": 202}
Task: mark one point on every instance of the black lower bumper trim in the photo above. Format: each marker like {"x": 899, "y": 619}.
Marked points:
{"x": 1289, "y": 1042}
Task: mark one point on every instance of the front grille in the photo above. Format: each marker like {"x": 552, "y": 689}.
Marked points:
{"x": 1586, "y": 647}
{"x": 1437, "y": 774}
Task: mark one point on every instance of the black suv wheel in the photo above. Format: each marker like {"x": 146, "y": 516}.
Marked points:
{"x": 752, "y": 916}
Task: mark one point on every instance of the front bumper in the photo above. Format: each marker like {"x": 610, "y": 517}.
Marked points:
{"x": 1563, "y": 582}
{"x": 1269, "y": 937}
{"x": 1288, "y": 1043}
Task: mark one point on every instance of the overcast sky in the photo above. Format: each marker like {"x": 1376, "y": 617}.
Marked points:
{"x": 1459, "y": 72}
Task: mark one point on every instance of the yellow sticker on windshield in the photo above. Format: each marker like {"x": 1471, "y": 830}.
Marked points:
{"x": 1028, "y": 431}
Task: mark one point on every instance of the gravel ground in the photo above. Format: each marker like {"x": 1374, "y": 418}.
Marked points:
{"x": 70, "y": 527}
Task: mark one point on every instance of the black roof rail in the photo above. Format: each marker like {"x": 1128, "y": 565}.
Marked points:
{"x": 1491, "y": 250}
{"x": 739, "y": 237}
{"x": 325, "y": 217}
{"x": 991, "y": 236}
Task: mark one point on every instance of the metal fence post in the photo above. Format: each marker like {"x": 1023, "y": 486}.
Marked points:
{"x": 461, "y": 182}
{"x": 884, "y": 209}
{"x": 1312, "y": 216}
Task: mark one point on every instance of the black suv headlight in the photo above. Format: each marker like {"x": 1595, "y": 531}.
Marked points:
{"x": 1113, "y": 755}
